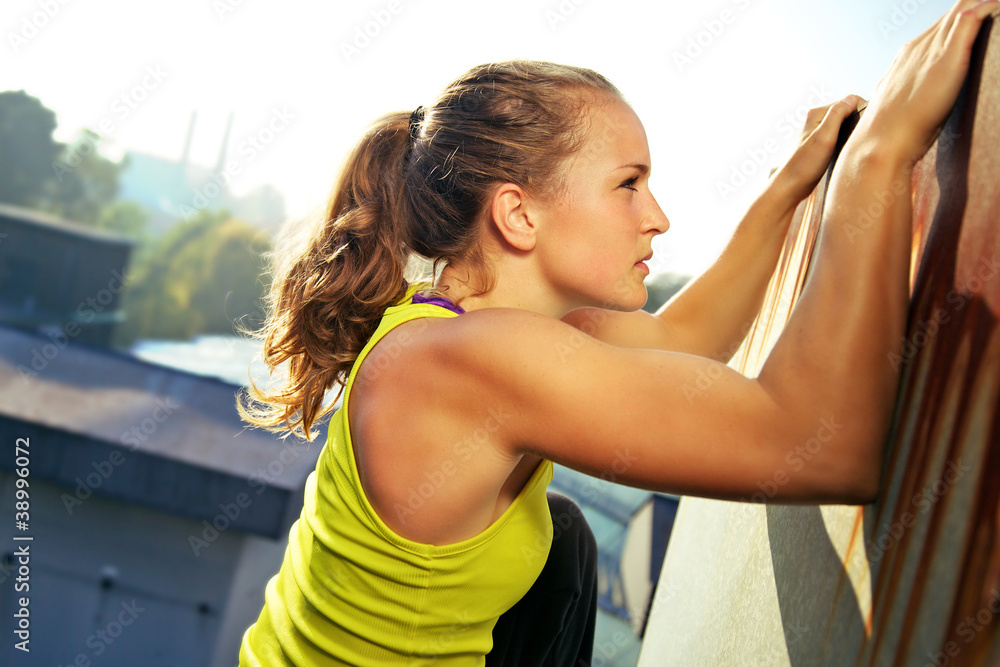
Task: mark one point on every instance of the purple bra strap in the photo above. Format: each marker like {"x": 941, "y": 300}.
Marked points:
{"x": 438, "y": 301}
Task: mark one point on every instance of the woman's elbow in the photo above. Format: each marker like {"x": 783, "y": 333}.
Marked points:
{"x": 860, "y": 480}
{"x": 850, "y": 474}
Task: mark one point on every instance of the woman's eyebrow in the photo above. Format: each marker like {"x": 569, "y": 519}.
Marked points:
{"x": 643, "y": 168}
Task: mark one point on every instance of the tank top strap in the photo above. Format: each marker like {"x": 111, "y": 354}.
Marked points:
{"x": 405, "y": 310}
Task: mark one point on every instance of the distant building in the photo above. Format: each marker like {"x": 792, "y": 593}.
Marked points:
{"x": 156, "y": 517}
{"x": 631, "y": 527}
{"x": 177, "y": 189}
{"x": 58, "y": 278}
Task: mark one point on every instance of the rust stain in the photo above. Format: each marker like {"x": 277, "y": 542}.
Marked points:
{"x": 954, "y": 314}
{"x": 856, "y": 540}
{"x": 935, "y": 584}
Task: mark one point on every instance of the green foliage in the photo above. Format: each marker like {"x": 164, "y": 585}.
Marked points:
{"x": 83, "y": 182}
{"x": 27, "y": 149}
{"x": 201, "y": 277}
{"x": 72, "y": 181}
{"x": 125, "y": 218}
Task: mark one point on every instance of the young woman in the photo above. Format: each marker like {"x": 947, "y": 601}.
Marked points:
{"x": 526, "y": 184}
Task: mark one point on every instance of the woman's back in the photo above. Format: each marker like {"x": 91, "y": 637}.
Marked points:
{"x": 353, "y": 591}
{"x": 435, "y": 471}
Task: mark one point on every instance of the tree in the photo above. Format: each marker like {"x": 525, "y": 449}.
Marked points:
{"x": 201, "y": 277}
{"x": 263, "y": 207}
{"x": 72, "y": 181}
{"x": 83, "y": 182}
{"x": 27, "y": 150}
{"x": 125, "y": 218}
{"x": 233, "y": 288}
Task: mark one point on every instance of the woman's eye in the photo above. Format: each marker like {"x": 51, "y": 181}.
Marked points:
{"x": 629, "y": 183}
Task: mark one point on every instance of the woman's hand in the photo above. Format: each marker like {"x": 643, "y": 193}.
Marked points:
{"x": 799, "y": 176}
{"x": 914, "y": 97}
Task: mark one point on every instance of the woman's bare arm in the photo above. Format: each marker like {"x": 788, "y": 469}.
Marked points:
{"x": 711, "y": 315}
{"x": 581, "y": 402}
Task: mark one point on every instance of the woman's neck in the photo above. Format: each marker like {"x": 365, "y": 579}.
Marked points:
{"x": 510, "y": 290}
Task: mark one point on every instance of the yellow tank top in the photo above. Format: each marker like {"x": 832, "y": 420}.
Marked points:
{"x": 352, "y": 592}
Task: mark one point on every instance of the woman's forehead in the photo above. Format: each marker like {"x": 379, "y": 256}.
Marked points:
{"x": 614, "y": 134}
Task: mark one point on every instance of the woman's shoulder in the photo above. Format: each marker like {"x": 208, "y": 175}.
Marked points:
{"x": 474, "y": 337}
{"x": 454, "y": 369}
{"x": 420, "y": 393}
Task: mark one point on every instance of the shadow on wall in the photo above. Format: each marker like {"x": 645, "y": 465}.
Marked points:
{"x": 936, "y": 373}
{"x": 804, "y": 599}
{"x": 913, "y": 579}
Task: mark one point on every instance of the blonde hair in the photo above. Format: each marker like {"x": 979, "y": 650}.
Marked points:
{"x": 503, "y": 122}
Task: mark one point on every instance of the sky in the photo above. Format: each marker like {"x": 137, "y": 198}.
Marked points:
{"x": 721, "y": 87}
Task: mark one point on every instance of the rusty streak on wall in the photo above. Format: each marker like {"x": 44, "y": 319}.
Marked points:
{"x": 915, "y": 578}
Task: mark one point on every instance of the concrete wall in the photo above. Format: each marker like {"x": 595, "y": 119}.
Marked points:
{"x": 913, "y": 579}
{"x": 130, "y": 573}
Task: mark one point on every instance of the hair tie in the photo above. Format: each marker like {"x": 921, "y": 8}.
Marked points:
{"x": 416, "y": 118}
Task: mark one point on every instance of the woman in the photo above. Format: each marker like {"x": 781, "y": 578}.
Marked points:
{"x": 526, "y": 183}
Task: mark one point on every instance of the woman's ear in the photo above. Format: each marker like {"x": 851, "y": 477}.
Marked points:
{"x": 511, "y": 217}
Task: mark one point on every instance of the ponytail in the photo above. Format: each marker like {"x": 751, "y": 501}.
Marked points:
{"x": 327, "y": 299}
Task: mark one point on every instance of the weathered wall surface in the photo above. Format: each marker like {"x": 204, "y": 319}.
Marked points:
{"x": 915, "y": 578}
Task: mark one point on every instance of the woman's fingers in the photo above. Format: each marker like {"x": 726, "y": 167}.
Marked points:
{"x": 822, "y": 124}
{"x": 966, "y": 26}
{"x": 831, "y": 115}
{"x": 941, "y": 27}
{"x": 839, "y": 111}
{"x": 818, "y": 139}
{"x": 921, "y": 86}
